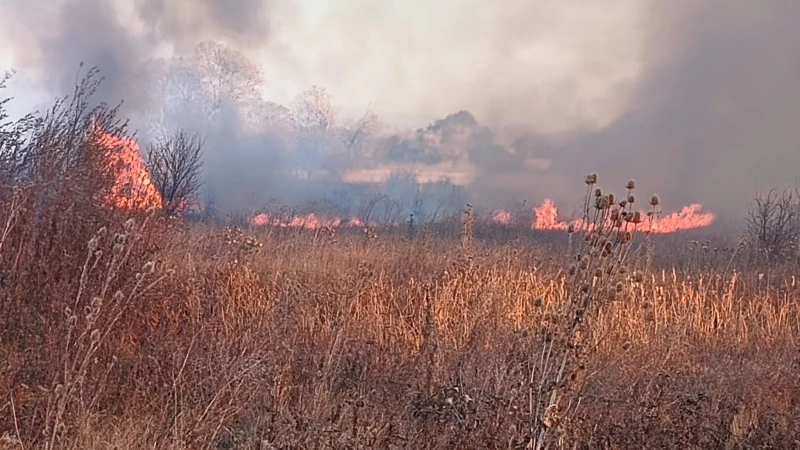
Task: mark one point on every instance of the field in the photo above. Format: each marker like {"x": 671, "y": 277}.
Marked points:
{"x": 126, "y": 327}
{"x": 161, "y": 334}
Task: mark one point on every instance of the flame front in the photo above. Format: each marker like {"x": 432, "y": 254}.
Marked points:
{"x": 133, "y": 188}
{"x": 687, "y": 218}
{"x": 310, "y": 221}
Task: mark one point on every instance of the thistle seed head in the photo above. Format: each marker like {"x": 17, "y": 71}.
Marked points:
{"x": 631, "y": 199}
{"x": 654, "y": 200}
{"x": 591, "y": 179}
{"x": 149, "y": 267}
{"x": 631, "y": 184}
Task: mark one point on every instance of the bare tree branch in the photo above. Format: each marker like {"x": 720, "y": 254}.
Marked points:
{"x": 175, "y": 165}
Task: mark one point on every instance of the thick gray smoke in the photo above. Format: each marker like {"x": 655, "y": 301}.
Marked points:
{"x": 715, "y": 116}
{"x": 47, "y": 39}
{"x": 696, "y": 100}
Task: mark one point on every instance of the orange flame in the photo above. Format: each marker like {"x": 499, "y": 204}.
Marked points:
{"x": 310, "y": 221}
{"x": 687, "y": 218}
{"x": 133, "y": 187}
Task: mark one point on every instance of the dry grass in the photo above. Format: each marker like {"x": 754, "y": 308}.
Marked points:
{"x": 303, "y": 339}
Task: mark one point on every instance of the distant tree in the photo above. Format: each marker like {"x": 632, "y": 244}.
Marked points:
{"x": 358, "y": 138}
{"x": 313, "y": 111}
{"x": 314, "y": 120}
{"x": 175, "y": 165}
{"x": 774, "y": 220}
{"x": 227, "y": 76}
{"x": 214, "y": 80}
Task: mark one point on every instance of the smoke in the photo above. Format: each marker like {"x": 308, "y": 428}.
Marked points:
{"x": 696, "y": 100}
{"x": 48, "y": 38}
{"x": 714, "y": 114}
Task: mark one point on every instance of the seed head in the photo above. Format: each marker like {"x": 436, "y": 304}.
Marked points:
{"x": 631, "y": 184}
{"x": 636, "y": 217}
{"x": 598, "y": 273}
{"x": 97, "y": 302}
{"x": 93, "y": 244}
{"x": 95, "y": 335}
{"x": 571, "y": 228}
{"x": 537, "y": 302}
{"x": 129, "y": 224}
{"x": 611, "y": 198}
{"x": 598, "y": 192}
{"x": 591, "y": 179}
{"x": 631, "y": 199}
{"x": 623, "y": 203}
{"x": 149, "y": 267}
{"x": 654, "y": 200}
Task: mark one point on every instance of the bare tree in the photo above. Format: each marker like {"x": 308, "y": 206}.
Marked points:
{"x": 214, "y": 80}
{"x": 175, "y": 165}
{"x": 228, "y": 76}
{"x": 313, "y": 111}
{"x": 774, "y": 220}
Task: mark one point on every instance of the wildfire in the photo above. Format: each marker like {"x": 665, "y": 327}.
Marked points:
{"x": 133, "y": 187}
{"x": 502, "y": 217}
{"x": 689, "y": 217}
{"x": 310, "y": 221}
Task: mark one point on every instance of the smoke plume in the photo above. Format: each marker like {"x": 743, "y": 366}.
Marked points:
{"x": 49, "y": 38}
{"x": 520, "y": 98}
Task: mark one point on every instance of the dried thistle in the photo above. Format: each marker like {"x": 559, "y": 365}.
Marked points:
{"x": 654, "y": 200}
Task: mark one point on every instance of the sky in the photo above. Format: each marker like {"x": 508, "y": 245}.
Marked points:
{"x": 697, "y": 99}
{"x": 418, "y": 60}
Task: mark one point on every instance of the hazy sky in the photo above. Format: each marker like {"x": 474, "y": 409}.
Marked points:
{"x": 696, "y": 98}
{"x": 573, "y": 61}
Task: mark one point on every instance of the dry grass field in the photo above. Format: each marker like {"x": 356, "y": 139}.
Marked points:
{"x": 130, "y": 329}
{"x": 154, "y": 333}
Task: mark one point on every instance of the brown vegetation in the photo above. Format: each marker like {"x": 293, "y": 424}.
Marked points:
{"x": 154, "y": 333}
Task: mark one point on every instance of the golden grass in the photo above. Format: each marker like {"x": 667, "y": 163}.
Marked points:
{"x": 280, "y": 338}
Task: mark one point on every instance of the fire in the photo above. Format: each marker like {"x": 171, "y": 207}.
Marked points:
{"x": 502, "y": 218}
{"x": 546, "y": 218}
{"x": 310, "y": 221}
{"x": 133, "y": 187}
{"x": 689, "y": 217}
